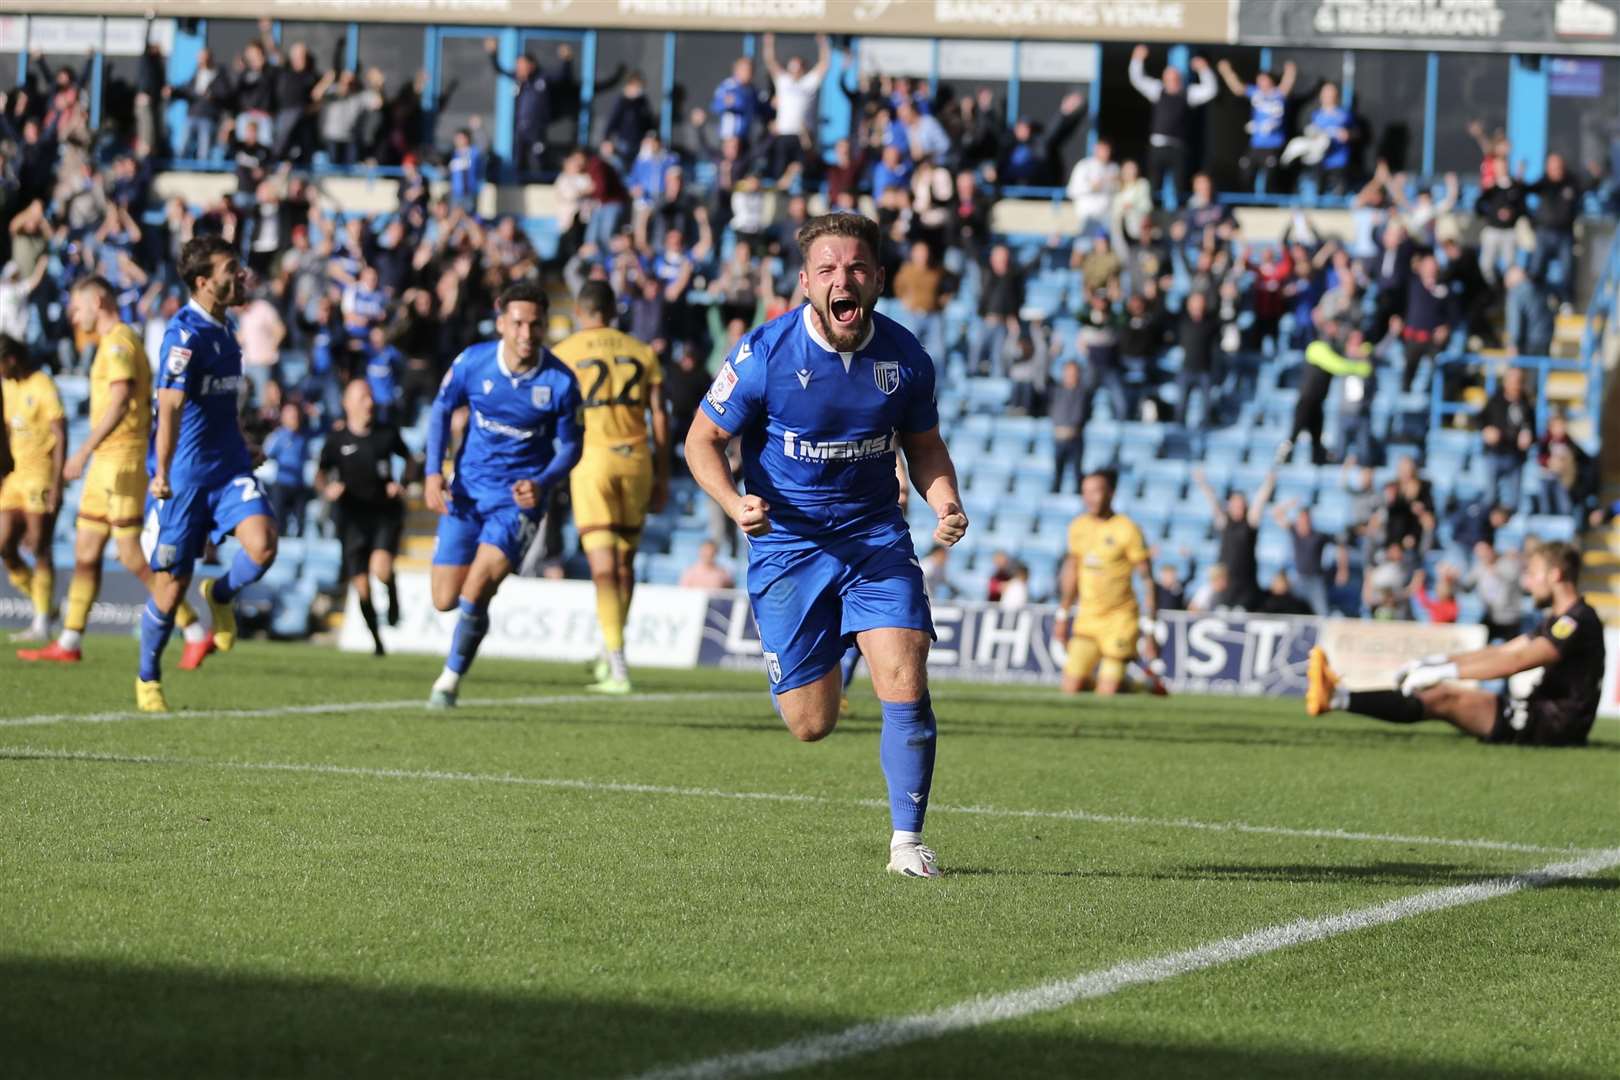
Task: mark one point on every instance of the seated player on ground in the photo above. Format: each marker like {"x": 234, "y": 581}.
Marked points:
{"x": 115, "y": 479}
{"x": 1104, "y": 547}
{"x": 523, "y": 435}
{"x": 619, "y": 478}
{"x": 1567, "y": 646}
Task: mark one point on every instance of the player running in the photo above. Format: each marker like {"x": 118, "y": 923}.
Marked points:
{"x": 1104, "y": 547}
{"x": 202, "y": 485}
{"x": 821, "y": 398}
{"x": 115, "y": 478}
{"x": 357, "y": 479}
{"x": 519, "y": 399}
{"x": 618, "y": 479}
{"x": 1568, "y": 646}
{"x": 31, "y": 493}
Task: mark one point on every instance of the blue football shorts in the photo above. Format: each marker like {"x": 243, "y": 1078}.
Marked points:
{"x": 177, "y": 529}
{"x": 809, "y": 602}
{"x": 465, "y": 527}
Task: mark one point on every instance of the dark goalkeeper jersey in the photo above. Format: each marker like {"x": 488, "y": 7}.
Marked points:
{"x": 1573, "y": 684}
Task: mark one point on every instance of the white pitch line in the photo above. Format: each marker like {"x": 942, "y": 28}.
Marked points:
{"x": 1016, "y": 1004}
{"x": 336, "y": 707}
{"x": 631, "y": 788}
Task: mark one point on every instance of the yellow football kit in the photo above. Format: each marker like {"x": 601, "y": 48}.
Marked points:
{"x": 31, "y": 408}
{"x": 1105, "y": 553}
{"x": 115, "y": 483}
{"x": 613, "y": 481}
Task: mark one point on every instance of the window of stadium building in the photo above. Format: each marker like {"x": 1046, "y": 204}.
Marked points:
{"x": 1581, "y": 122}
{"x": 1475, "y": 89}
{"x": 629, "y": 51}
{"x": 1389, "y": 91}
{"x": 702, "y": 61}
{"x": 396, "y": 51}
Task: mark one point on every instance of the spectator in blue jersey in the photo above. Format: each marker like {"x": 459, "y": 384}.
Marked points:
{"x": 385, "y": 365}
{"x": 288, "y": 447}
{"x": 1268, "y": 102}
{"x": 1034, "y": 154}
{"x": 524, "y": 437}
{"x": 891, "y": 176}
{"x": 737, "y": 104}
{"x": 924, "y": 134}
{"x": 466, "y": 172}
{"x": 1530, "y": 322}
{"x": 830, "y": 556}
{"x": 646, "y": 174}
{"x": 364, "y": 304}
{"x": 531, "y": 111}
{"x": 202, "y": 485}
{"x": 1331, "y": 121}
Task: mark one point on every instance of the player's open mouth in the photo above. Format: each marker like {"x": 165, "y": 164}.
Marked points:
{"x": 845, "y": 311}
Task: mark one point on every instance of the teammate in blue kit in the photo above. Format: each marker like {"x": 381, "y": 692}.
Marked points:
{"x": 523, "y": 435}
{"x": 822, "y": 398}
{"x": 202, "y": 474}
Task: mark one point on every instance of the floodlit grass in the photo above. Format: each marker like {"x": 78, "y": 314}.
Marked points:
{"x": 574, "y": 889}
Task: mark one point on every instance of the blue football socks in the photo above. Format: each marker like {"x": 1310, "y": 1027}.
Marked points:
{"x": 470, "y": 631}
{"x": 155, "y": 630}
{"x": 242, "y": 572}
{"x": 906, "y": 750}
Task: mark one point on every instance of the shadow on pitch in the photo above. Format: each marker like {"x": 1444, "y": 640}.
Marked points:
{"x": 1374, "y": 873}
{"x": 97, "y": 1019}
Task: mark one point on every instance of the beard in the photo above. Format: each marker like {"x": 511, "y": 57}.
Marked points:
{"x": 1542, "y": 601}
{"x": 847, "y": 335}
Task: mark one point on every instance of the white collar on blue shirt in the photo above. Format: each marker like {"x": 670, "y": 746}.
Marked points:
{"x": 500, "y": 362}
{"x": 815, "y": 336}
{"x": 198, "y": 308}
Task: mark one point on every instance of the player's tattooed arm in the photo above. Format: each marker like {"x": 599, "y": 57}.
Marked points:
{"x": 58, "y": 457}
{"x": 934, "y": 475}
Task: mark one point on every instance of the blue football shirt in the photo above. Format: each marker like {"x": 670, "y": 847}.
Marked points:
{"x": 819, "y": 428}
{"x": 200, "y": 356}
{"x": 1266, "y": 109}
{"x": 512, "y": 422}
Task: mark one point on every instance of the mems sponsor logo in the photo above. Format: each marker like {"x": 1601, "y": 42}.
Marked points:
{"x": 486, "y": 424}
{"x": 836, "y": 449}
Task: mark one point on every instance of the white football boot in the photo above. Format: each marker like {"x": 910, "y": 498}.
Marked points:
{"x": 910, "y": 858}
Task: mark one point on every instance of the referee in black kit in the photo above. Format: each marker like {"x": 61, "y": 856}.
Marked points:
{"x": 370, "y": 504}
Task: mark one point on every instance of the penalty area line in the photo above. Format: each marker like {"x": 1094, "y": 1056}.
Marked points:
{"x": 25, "y": 753}
{"x": 1047, "y": 997}
{"x": 338, "y": 707}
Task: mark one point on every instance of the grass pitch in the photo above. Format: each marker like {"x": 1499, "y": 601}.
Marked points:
{"x": 603, "y": 888}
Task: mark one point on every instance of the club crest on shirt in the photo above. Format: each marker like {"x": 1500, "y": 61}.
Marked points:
{"x": 489, "y": 384}
{"x": 886, "y": 373}
{"x": 1563, "y": 628}
{"x": 541, "y": 396}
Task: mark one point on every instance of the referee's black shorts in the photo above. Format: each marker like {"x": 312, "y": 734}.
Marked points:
{"x": 364, "y": 529}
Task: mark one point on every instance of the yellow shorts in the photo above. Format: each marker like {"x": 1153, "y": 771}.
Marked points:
{"x": 610, "y": 491}
{"x": 1113, "y": 636}
{"x": 114, "y": 495}
{"x": 25, "y": 492}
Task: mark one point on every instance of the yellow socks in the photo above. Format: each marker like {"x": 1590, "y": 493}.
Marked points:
{"x": 81, "y": 595}
{"x": 610, "y": 614}
{"x": 23, "y": 581}
{"x": 44, "y": 589}
{"x": 184, "y": 615}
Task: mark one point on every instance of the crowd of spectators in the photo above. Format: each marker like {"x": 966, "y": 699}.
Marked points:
{"x": 1171, "y": 300}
